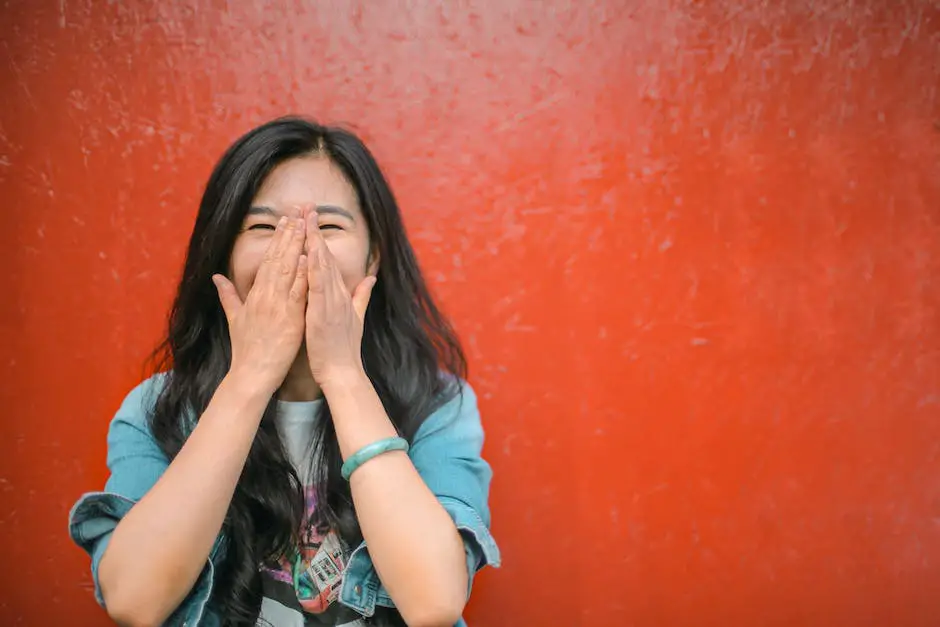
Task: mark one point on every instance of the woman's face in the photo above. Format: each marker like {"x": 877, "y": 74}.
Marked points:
{"x": 305, "y": 182}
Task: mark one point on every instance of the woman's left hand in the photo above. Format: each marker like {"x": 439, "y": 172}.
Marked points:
{"x": 334, "y": 317}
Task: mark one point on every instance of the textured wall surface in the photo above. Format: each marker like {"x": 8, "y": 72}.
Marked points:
{"x": 692, "y": 248}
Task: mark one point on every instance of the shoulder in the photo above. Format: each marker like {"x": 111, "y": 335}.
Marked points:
{"x": 135, "y": 458}
{"x": 457, "y": 416}
{"x": 129, "y": 431}
{"x": 139, "y": 402}
{"x": 448, "y": 454}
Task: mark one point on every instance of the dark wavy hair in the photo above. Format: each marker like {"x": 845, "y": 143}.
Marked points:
{"x": 408, "y": 348}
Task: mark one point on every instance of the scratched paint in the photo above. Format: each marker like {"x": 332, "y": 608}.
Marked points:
{"x": 691, "y": 248}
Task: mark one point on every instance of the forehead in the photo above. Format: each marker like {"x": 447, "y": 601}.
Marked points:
{"x": 305, "y": 181}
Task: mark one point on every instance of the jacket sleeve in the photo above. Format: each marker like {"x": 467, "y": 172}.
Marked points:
{"x": 135, "y": 462}
{"x": 446, "y": 452}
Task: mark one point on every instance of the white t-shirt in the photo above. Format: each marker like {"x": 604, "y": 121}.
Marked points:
{"x": 295, "y": 424}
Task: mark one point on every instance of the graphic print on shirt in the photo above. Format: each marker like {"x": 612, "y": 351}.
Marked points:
{"x": 309, "y": 585}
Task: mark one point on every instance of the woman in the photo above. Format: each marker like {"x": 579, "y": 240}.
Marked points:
{"x": 312, "y": 402}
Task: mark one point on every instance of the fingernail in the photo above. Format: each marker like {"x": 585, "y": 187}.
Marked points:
{"x": 282, "y": 222}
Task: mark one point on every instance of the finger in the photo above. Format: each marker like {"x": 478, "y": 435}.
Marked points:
{"x": 327, "y": 260}
{"x": 335, "y": 292}
{"x": 334, "y": 287}
{"x": 362, "y": 295}
{"x": 300, "y": 212}
{"x": 288, "y": 227}
{"x": 298, "y": 291}
{"x": 315, "y": 272}
{"x": 228, "y": 296}
{"x": 313, "y": 237}
{"x": 313, "y": 228}
{"x": 315, "y": 241}
{"x": 272, "y": 252}
{"x": 292, "y": 252}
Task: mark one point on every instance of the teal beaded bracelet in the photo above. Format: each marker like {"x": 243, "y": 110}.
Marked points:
{"x": 369, "y": 451}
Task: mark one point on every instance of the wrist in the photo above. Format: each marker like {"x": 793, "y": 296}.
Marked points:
{"x": 248, "y": 386}
{"x": 343, "y": 379}
{"x": 357, "y": 411}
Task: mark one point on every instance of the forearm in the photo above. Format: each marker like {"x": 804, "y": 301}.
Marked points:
{"x": 413, "y": 543}
{"x": 159, "y": 548}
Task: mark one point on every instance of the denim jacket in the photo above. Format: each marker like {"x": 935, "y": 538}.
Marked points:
{"x": 445, "y": 451}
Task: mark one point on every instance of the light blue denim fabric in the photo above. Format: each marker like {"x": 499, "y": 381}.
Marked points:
{"x": 445, "y": 451}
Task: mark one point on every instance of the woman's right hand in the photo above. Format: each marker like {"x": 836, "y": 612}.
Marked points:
{"x": 267, "y": 329}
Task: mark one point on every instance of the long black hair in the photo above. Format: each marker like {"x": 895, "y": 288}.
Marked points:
{"x": 407, "y": 346}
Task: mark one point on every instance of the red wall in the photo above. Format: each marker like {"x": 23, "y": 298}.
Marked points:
{"x": 692, "y": 248}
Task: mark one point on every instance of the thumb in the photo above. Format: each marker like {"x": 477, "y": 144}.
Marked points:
{"x": 231, "y": 303}
{"x": 363, "y": 293}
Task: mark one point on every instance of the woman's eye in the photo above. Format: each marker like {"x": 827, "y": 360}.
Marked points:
{"x": 253, "y": 227}
{"x": 324, "y": 227}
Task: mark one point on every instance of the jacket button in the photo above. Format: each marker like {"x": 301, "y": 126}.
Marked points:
{"x": 358, "y": 590}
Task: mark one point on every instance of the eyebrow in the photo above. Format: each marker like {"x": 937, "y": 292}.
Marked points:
{"x": 334, "y": 210}
{"x": 262, "y": 210}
